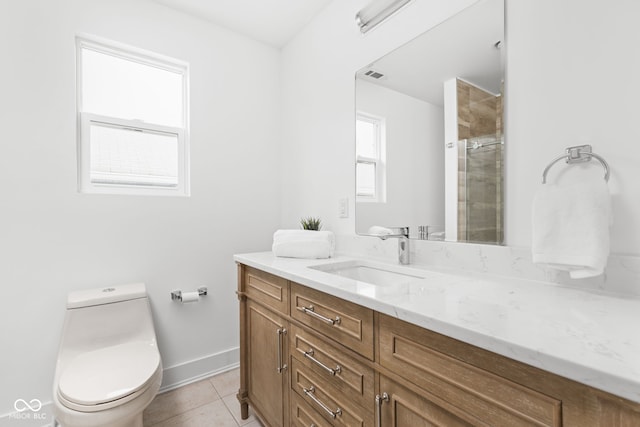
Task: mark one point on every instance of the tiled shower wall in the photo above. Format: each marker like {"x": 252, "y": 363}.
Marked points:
{"x": 480, "y": 170}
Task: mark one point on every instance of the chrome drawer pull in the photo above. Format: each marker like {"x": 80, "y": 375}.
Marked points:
{"x": 311, "y": 312}
{"x": 309, "y": 355}
{"x": 280, "y": 367}
{"x": 379, "y": 401}
{"x": 310, "y": 392}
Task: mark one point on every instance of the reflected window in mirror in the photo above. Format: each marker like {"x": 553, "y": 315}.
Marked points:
{"x": 370, "y": 158}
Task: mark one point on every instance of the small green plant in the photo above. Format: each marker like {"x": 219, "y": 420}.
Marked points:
{"x": 311, "y": 223}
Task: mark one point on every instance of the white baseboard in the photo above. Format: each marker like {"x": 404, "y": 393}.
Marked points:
{"x": 172, "y": 378}
{"x": 197, "y": 369}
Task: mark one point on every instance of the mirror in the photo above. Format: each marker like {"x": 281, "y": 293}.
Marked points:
{"x": 429, "y": 132}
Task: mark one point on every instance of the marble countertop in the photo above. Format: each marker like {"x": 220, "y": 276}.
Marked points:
{"x": 588, "y": 337}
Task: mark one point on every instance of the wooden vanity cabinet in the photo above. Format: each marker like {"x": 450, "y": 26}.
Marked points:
{"x": 344, "y": 322}
{"x": 267, "y": 369}
{"x": 404, "y": 406}
{"x": 311, "y": 359}
{"x": 264, "y": 349}
{"x": 478, "y": 395}
{"x": 303, "y": 415}
{"x": 340, "y": 371}
{"x": 483, "y": 388}
{"x": 331, "y": 351}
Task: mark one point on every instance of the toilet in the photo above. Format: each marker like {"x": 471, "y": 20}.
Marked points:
{"x": 108, "y": 368}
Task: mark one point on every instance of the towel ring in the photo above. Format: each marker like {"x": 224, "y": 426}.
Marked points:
{"x": 578, "y": 154}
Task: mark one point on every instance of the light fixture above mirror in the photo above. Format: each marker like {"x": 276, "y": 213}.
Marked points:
{"x": 378, "y": 12}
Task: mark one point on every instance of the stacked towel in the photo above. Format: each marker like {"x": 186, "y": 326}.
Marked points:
{"x": 303, "y": 244}
{"x": 376, "y": 230}
{"x": 571, "y": 227}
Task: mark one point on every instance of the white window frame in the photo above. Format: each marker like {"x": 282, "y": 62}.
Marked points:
{"x": 378, "y": 161}
{"x": 86, "y": 119}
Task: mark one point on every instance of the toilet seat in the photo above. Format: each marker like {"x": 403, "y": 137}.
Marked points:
{"x": 104, "y": 378}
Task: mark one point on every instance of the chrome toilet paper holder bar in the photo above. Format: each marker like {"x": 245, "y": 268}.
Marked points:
{"x": 177, "y": 295}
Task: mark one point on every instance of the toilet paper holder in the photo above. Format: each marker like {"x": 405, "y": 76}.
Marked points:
{"x": 177, "y": 295}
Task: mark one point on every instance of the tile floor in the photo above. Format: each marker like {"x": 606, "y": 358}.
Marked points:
{"x": 206, "y": 403}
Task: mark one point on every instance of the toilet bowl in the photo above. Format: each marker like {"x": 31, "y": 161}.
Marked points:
{"x": 108, "y": 368}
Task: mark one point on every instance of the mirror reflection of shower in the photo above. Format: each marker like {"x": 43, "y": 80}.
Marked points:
{"x": 479, "y": 163}
{"x": 480, "y": 212}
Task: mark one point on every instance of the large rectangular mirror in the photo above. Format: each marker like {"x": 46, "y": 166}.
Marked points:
{"x": 429, "y": 132}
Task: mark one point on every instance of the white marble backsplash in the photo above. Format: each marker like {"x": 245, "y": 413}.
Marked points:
{"x": 622, "y": 275}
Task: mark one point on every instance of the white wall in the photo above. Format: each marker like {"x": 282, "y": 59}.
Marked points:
{"x": 414, "y": 151}
{"x": 54, "y": 240}
{"x": 572, "y": 79}
{"x": 571, "y": 70}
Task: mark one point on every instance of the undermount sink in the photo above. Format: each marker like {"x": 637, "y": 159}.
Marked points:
{"x": 378, "y": 274}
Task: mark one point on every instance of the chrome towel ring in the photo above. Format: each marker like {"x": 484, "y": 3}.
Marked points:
{"x": 578, "y": 154}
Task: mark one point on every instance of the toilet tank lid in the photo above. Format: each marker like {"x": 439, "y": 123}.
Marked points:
{"x": 107, "y": 295}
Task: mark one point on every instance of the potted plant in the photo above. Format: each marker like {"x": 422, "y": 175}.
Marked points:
{"x": 311, "y": 223}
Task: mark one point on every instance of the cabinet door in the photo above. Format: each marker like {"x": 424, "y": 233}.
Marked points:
{"x": 267, "y": 371}
{"x": 406, "y": 407}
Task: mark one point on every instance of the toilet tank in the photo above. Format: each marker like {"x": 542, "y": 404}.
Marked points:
{"x": 107, "y": 316}
{"x": 110, "y": 294}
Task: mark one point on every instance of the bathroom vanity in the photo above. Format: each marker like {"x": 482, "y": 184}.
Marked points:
{"x": 321, "y": 343}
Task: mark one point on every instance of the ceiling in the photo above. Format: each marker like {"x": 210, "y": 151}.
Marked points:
{"x": 274, "y": 22}
{"x": 462, "y": 46}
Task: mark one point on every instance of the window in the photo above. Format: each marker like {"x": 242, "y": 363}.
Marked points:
{"x": 370, "y": 170}
{"x": 133, "y": 115}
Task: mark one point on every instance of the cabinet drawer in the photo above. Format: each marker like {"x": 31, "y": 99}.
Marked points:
{"x": 302, "y": 415}
{"x": 492, "y": 399}
{"x": 347, "y": 323}
{"x": 270, "y": 290}
{"x": 334, "y": 407}
{"x": 343, "y": 373}
{"x": 410, "y": 407}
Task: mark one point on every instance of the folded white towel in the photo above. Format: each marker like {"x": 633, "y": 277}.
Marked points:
{"x": 571, "y": 227}
{"x": 303, "y": 244}
{"x": 376, "y": 230}
{"x": 436, "y": 235}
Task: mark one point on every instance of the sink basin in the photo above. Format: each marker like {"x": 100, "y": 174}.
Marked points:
{"x": 378, "y": 274}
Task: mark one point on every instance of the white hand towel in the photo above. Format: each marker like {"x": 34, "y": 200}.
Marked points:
{"x": 571, "y": 227}
{"x": 376, "y": 230}
{"x": 303, "y": 244}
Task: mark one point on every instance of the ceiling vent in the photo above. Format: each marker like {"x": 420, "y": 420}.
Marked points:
{"x": 372, "y": 74}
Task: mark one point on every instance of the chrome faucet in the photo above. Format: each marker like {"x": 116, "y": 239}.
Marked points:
{"x": 402, "y": 234}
